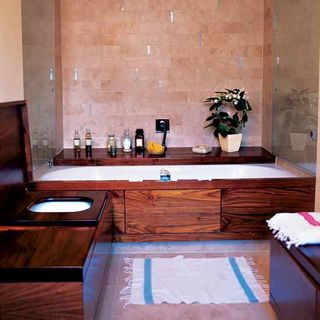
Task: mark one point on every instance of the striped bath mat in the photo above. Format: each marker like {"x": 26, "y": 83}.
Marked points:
{"x": 191, "y": 280}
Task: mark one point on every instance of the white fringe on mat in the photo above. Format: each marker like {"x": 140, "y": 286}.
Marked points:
{"x": 125, "y": 293}
{"x": 259, "y": 277}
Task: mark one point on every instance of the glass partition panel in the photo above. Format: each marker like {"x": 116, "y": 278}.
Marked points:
{"x": 296, "y": 81}
{"x": 39, "y": 76}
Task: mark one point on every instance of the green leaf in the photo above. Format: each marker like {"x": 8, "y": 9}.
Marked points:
{"x": 223, "y": 114}
{"x": 210, "y": 117}
{"x": 248, "y": 106}
{"x": 244, "y": 117}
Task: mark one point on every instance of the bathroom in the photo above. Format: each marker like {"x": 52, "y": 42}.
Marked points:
{"x": 118, "y": 64}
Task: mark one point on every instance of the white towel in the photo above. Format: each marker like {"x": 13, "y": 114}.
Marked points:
{"x": 296, "y": 228}
{"x": 191, "y": 280}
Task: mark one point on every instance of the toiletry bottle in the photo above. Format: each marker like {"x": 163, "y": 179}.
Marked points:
{"x": 45, "y": 140}
{"x": 34, "y": 139}
{"x": 88, "y": 143}
{"x": 126, "y": 142}
{"x": 139, "y": 140}
{"x": 76, "y": 141}
{"x": 111, "y": 142}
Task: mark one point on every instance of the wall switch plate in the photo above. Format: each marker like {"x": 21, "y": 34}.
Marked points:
{"x": 162, "y": 125}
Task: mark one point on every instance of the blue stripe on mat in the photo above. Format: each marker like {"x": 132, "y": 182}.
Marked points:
{"x": 247, "y": 290}
{"x": 147, "y": 286}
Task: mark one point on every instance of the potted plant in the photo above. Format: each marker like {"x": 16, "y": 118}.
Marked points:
{"x": 297, "y": 118}
{"x": 228, "y": 127}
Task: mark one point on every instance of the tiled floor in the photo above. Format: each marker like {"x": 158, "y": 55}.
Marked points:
{"x": 111, "y": 308}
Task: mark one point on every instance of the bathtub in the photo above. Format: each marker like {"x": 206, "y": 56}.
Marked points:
{"x": 177, "y": 172}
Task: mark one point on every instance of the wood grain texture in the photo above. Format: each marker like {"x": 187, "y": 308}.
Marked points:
{"x": 248, "y": 209}
{"x": 104, "y": 228}
{"x": 19, "y": 214}
{"x": 173, "y": 185}
{"x": 41, "y": 301}
{"x": 13, "y": 164}
{"x": 52, "y": 254}
{"x": 117, "y": 211}
{"x": 293, "y": 293}
{"x": 172, "y": 211}
{"x": 26, "y": 141}
{"x": 202, "y": 236}
{"x": 173, "y": 156}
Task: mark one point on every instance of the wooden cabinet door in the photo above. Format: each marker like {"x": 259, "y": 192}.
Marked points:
{"x": 172, "y": 211}
{"x": 247, "y": 210}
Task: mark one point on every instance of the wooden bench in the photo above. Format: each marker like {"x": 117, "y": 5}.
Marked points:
{"x": 295, "y": 281}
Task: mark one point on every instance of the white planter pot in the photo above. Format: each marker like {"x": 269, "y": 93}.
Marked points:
{"x": 230, "y": 143}
{"x": 298, "y": 141}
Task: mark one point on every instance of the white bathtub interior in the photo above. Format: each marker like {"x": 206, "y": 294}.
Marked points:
{"x": 177, "y": 172}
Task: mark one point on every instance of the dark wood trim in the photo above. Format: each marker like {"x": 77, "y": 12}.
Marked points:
{"x": 173, "y": 156}
{"x": 190, "y": 236}
{"x": 26, "y": 142}
{"x": 180, "y": 184}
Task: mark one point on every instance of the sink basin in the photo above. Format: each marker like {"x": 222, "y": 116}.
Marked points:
{"x": 61, "y": 205}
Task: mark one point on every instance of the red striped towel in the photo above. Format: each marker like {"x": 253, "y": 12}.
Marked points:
{"x": 296, "y": 228}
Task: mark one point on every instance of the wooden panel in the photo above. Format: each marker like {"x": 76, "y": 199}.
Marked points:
{"x": 41, "y": 301}
{"x": 104, "y": 228}
{"x": 52, "y": 254}
{"x": 307, "y": 182}
{"x": 172, "y": 211}
{"x": 195, "y": 236}
{"x": 248, "y": 209}
{"x": 117, "y": 210}
{"x": 173, "y": 156}
{"x": 291, "y": 289}
{"x": 13, "y": 167}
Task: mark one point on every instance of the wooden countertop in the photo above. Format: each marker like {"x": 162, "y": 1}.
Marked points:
{"x": 18, "y": 214}
{"x": 45, "y": 254}
{"x": 173, "y": 156}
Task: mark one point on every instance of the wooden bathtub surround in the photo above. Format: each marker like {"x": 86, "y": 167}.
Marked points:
{"x": 295, "y": 281}
{"x": 172, "y": 211}
{"x": 173, "y": 156}
{"x": 196, "y": 210}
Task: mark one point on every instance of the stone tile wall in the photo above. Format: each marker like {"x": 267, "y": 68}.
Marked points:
{"x": 210, "y": 45}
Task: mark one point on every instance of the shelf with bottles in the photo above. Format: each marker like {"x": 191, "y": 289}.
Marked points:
{"x": 172, "y": 156}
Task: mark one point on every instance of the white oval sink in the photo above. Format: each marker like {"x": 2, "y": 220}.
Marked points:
{"x": 61, "y": 205}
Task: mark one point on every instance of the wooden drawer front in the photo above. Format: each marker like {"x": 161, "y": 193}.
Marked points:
{"x": 248, "y": 209}
{"x": 291, "y": 290}
{"x": 172, "y": 211}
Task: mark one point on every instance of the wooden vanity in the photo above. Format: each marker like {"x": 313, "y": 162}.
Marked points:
{"x": 49, "y": 268}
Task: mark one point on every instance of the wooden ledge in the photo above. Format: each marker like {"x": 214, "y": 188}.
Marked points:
{"x": 52, "y": 254}
{"x": 173, "y": 156}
